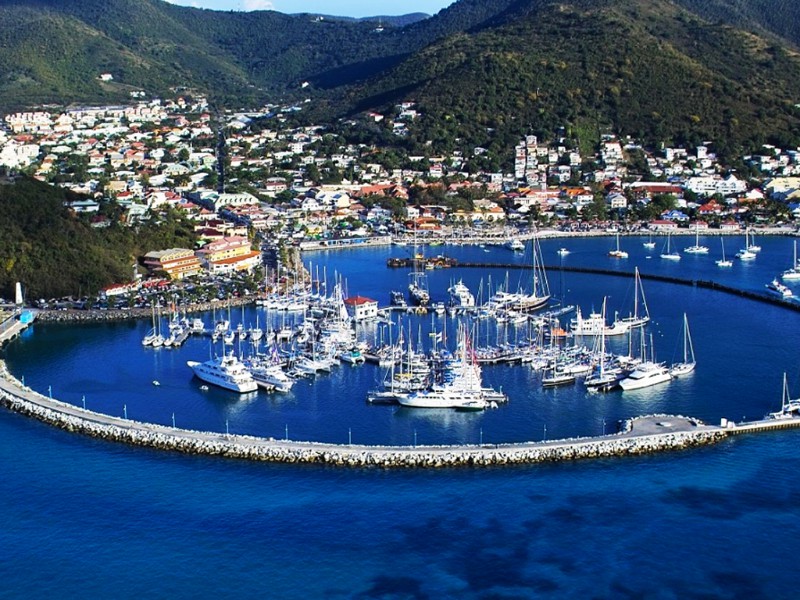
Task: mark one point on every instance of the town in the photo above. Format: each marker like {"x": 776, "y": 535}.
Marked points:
{"x": 245, "y": 178}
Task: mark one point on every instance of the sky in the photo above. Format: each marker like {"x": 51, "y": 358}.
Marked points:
{"x": 344, "y": 8}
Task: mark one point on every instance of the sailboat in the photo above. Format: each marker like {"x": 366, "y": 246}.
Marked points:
{"x": 636, "y": 320}
{"x": 747, "y": 253}
{"x": 792, "y": 274}
{"x": 649, "y": 244}
{"x": 789, "y": 408}
{"x": 557, "y": 375}
{"x": 697, "y": 248}
{"x": 688, "y": 364}
{"x": 418, "y": 287}
{"x": 724, "y": 262}
{"x": 617, "y": 253}
{"x": 669, "y": 254}
{"x": 603, "y": 379}
{"x": 752, "y": 246}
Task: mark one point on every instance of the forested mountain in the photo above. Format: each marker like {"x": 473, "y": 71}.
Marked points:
{"x": 482, "y": 71}
{"x": 649, "y": 69}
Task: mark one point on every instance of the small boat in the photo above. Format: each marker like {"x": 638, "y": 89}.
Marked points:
{"x": 515, "y": 245}
{"x": 688, "y": 364}
{"x": 563, "y": 251}
{"x": 204, "y": 388}
{"x": 749, "y": 250}
{"x": 156, "y": 382}
{"x": 776, "y": 287}
{"x": 649, "y": 244}
{"x": 724, "y": 262}
{"x": 792, "y": 274}
{"x": 697, "y": 248}
{"x": 669, "y": 254}
{"x": 616, "y": 252}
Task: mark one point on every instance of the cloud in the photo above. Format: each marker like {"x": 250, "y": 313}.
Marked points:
{"x": 258, "y": 5}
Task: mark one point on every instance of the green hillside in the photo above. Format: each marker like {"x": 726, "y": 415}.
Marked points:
{"x": 648, "y": 69}
{"x": 58, "y": 253}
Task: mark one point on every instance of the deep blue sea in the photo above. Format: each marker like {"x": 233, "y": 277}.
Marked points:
{"x": 82, "y": 517}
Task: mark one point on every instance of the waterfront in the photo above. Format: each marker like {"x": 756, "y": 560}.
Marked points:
{"x": 103, "y": 518}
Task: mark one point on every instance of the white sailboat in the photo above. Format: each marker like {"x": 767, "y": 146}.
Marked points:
{"x": 603, "y": 379}
{"x": 697, "y": 248}
{"x": 649, "y": 244}
{"x": 688, "y": 365}
{"x": 752, "y": 246}
{"x": 616, "y": 252}
{"x": 636, "y": 319}
{"x": 724, "y": 262}
{"x": 748, "y": 252}
{"x": 789, "y": 408}
{"x": 792, "y": 274}
{"x": 669, "y": 254}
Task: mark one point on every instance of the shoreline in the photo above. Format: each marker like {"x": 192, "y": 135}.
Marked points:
{"x": 640, "y": 436}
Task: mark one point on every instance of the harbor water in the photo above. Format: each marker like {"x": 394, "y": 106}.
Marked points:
{"x": 107, "y": 519}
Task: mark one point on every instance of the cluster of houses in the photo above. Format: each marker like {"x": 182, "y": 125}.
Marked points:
{"x": 163, "y": 153}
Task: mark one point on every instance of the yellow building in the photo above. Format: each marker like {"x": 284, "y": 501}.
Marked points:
{"x": 229, "y": 254}
{"x": 177, "y": 263}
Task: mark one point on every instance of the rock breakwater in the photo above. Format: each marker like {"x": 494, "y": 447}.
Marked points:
{"x": 682, "y": 434}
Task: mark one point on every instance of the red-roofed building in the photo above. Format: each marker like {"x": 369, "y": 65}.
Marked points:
{"x": 361, "y": 308}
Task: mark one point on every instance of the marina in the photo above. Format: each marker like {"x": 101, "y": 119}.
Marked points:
{"x": 516, "y": 353}
{"x": 559, "y": 483}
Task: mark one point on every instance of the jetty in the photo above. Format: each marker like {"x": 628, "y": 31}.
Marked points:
{"x": 638, "y": 436}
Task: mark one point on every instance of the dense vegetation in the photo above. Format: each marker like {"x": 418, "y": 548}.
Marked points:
{"x": 650, "y": 70}
{"x": 57, "y": 253}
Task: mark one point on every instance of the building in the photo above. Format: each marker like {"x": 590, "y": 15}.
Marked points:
{"x": 229, "y": 254}
{"x": 361, "y": 308}
{"x": 177, "y": 263}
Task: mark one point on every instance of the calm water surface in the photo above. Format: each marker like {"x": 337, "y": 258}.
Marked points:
{"x": 84, "y": 517}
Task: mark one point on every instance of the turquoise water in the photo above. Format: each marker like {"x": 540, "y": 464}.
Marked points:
{"x": 84, "y": 517}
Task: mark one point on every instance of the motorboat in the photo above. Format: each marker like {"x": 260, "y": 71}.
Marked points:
{"x": 515, "y": 245}
{"x": 776, "y": 287}
{"x": 225, "y": 371}
{"x": 459, "y": 295}
{"x": 272, "y": 377}
{"x": 563, "y": 251}
{"x": 595, "y": 324}
{"x": 646, "y": 374}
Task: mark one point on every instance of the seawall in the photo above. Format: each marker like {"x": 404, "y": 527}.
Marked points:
{"x": 637, "y": 438}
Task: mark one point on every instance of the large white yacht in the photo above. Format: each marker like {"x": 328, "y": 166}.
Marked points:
{"x": 646, "y": 374}
{"x": 595, "y": 324}
{"x": 225, "y": 371}
{"x": 460, "y": 296}
{"x": 272, "y": 377}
